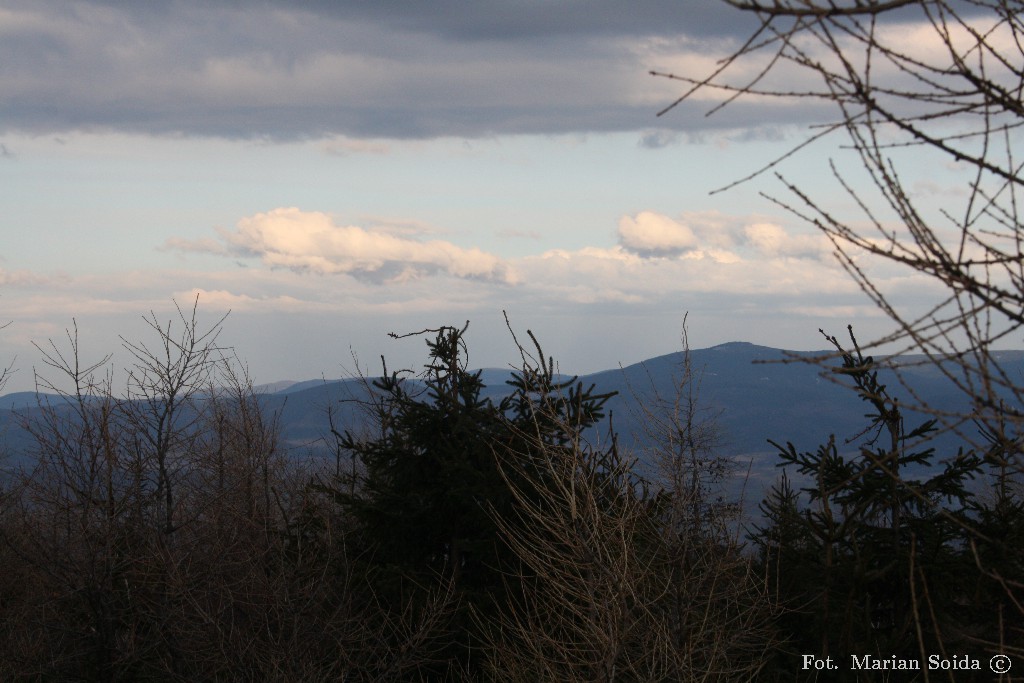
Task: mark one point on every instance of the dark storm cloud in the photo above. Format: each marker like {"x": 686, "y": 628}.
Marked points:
{"x": 287, "y": 70}
{"x": 509, "y": 20}
{"x": 542, "y": 18}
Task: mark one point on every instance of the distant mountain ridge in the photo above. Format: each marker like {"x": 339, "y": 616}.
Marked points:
{"x": 757, "y": 393}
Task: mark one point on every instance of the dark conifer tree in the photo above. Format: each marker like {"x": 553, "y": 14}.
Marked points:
{"x": 427, "y": 486}
{"x": 872, "y": 559}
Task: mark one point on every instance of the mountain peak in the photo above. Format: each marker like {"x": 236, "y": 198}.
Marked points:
{"x": 733, "y": 346}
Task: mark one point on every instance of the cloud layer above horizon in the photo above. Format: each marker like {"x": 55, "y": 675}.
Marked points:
{"x": 655, "y": 257}
{"x": 280, "y": 70}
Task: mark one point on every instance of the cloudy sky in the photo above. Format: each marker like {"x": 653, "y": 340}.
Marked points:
{"x": 334, "y": 170}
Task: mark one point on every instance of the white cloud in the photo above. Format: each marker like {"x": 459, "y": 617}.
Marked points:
{"x": 342, "y": 146}
{"x": 845, "y": 313}
{"x": 653, "y": 234}
{"x": 771, "y": 239}
{"x": 716, "y": 236}
{"x": 310, "y": 241}
{"x": 615, "y": 274}
{"x": 663, "y": 259}
{"x": 223, "y": 300}
{"x": 24, "y": 279}
{"x": 203, "y": 245}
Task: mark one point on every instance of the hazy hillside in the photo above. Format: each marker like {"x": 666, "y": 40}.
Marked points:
{"x": 754, "y": 393}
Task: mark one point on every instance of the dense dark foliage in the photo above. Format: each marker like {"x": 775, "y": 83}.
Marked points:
{"x": 868, "y": 559}
{"x": 428, "y": 490}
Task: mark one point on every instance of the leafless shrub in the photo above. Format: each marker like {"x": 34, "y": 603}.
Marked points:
{"x": 621, "y": 580}
{"x": 165, "y": 535}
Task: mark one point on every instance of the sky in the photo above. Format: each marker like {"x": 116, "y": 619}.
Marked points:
{"x": 332, "y": 171}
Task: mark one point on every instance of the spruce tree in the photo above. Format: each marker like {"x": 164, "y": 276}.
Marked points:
{"x": 884, "y": 547}
{"x": 427, "y": 489}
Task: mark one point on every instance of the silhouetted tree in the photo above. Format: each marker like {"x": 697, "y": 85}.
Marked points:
{"x": 427, "y": 487}
{"x": 874, "y": 561}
